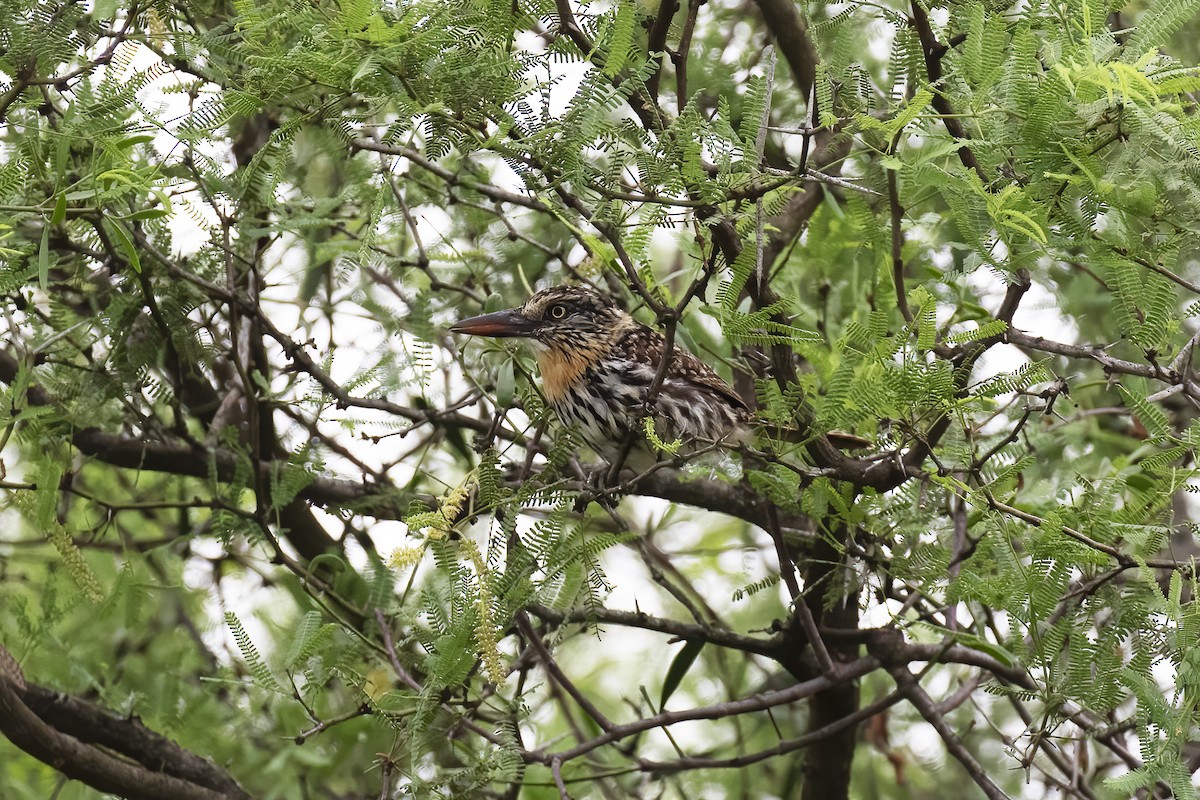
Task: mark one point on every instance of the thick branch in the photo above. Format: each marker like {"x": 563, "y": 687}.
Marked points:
{"x": 87, "y": 764}
{"x": 791, "y": 34}
{"x": 656, "y": 43}
{"x": 1089, "y": 352}
{"x": 643, "y": 105}
{"x": 127, "y": 736}
{"x": 830, "y": 599}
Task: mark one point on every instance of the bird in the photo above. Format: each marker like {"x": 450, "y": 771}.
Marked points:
{"x": 598, "y": 365}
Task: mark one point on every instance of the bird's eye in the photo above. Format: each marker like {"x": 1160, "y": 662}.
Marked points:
{"x": 558, "y": 311}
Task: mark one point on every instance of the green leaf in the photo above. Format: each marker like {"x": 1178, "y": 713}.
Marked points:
{"x": 620, "y": 43}
{"x": 996, "y": 651}
{"x": 123, "y": 241}
{"x": 254, "y": 661}
{"x": 130, "y": 142}
{"x": 44, "y": 258}
{"x": 104, "y": 9}
{"x": 1153, "y": 417}
{"x": 493, "y": 302}
{"x": 1156, "y": 23}
{"x": 919, "y": 102}
{"x": 149, "y": 213}
{"x": 125, "y": 176}
{"x": 60, "y": 210}
{"x": 506, "y": 384}
{"x": 679, "y": 668}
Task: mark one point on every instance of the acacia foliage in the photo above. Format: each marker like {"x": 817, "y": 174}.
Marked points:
{"x": 260, "y": 499}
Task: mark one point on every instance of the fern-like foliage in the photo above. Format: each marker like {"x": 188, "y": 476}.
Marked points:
{"x": 262, "y": 674}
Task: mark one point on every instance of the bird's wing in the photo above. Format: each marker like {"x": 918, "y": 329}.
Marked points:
{"x": 646, "y": 346}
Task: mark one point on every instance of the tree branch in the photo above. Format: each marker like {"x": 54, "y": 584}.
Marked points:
{"x": 682, "y": 630}
{"x": 126, "y": 735}
{"x": 758, "y": 702}
{"x": 929, "y": 710}
{"x": 79, "y": 761}
{"x": 790, "y": 31}
{"x": 933, "y": 51}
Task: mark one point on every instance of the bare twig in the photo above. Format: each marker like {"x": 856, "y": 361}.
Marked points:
{"x": 929, "y": 710}
{"x": 759, "y": 702}
{"x": 897, "y": 215}
{"x": 555, "y": 672}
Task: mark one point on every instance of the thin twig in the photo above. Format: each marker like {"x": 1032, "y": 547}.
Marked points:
{"x": 929, "y": 710}
{"x": 325, "y": 725}
{"x": 551, "y": 666}
{"x": 759, "y": 702}
{"x": 556, "y": 771}
{"x": 897, "y": 216}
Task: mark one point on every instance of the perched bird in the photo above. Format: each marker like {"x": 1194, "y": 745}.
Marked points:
{"x": 597, "y": 367}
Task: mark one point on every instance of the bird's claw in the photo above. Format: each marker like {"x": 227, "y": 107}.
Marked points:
{"x": 596, "y": 487}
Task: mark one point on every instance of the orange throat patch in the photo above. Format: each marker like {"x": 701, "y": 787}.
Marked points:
{"x": 559, "y": 372}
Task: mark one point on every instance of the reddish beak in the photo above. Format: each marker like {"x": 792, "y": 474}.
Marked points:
{"x": 501, "y": 324}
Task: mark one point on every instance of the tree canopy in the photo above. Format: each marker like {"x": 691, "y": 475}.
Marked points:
{"x": 273, "y": 532}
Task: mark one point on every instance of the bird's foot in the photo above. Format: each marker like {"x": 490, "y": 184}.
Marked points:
{"x": 597, "y": 486}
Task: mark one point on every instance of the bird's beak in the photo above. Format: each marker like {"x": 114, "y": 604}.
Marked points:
{"x": 500, "y": 323}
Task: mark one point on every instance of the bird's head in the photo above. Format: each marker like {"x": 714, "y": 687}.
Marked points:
{"x": 571, "y": 320}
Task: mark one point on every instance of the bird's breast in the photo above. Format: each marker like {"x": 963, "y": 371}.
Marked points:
{"x": 561, "y": 372}
{"x": 605, "y": 400}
